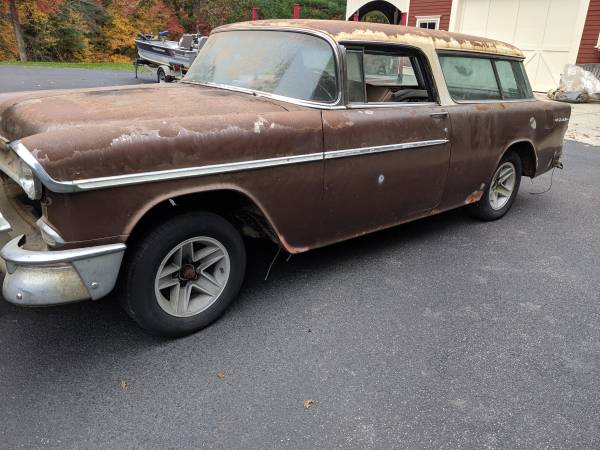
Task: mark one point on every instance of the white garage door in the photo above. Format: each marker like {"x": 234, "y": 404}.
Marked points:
{"x": 547, "y": 31}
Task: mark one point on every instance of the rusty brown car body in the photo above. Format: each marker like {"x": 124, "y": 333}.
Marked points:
{"x": 104, "y": 167}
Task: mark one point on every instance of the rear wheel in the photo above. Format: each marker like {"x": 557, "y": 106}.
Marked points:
{"x": 162, "y": 76}
{"x": 182, "y": 276}
{"x": 502, "y": 190}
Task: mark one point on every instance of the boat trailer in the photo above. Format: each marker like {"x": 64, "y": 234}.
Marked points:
{"x": 165, "y": 73}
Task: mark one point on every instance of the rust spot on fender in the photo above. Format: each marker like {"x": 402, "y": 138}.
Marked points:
{"x": 475, "y": 196}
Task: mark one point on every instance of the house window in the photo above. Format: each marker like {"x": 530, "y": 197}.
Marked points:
{"x": 428, "y": 22}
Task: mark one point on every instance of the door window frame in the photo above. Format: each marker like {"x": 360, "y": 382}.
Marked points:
{"x": 405, "y": 50}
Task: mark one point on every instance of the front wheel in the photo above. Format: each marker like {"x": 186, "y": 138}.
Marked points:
{"x": 502, "y": 190}
{"x": 184, "y": 274}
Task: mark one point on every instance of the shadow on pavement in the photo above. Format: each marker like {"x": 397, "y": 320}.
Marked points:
{"x": 91, "y": 325}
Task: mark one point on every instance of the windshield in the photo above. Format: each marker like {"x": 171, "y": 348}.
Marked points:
{"x": 284, "y": 63}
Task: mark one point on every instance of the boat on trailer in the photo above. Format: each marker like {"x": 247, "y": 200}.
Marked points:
{"x": 170, "y": 57}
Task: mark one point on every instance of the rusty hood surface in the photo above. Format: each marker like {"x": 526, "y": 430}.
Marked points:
{"x": 90, "y": 133}
{"x": 29, "y": 113}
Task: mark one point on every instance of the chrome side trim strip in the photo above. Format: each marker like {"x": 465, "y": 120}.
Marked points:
{"x": 382, "y": 148}
{"x": 145, "y": 177}
{"x": 39, "y": 171}
{"x": 135, "y": 178}
{"x": 189, "y": 172}
{"x": 398, "y": 105}
{"x": 516, "y": 100}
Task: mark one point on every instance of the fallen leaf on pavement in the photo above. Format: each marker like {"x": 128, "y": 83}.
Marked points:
{"x": 308, "y": 403}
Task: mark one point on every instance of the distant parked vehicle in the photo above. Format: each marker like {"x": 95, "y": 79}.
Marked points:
{"x": 171, "y": 59}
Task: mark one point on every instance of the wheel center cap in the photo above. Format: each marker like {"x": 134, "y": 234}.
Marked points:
{"x": 188, "y": 272}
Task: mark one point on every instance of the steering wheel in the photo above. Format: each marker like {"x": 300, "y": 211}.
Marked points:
{"x": 326, "y": 88}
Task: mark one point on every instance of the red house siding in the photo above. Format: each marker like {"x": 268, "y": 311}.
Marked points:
{"x": 587, "y": 53}
{"x": 431, "y": 8}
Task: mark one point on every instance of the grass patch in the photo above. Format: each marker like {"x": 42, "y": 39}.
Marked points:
{"x": 61, "y": 65}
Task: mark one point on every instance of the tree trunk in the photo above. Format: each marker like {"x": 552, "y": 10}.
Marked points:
{"x": 14, "y": 16}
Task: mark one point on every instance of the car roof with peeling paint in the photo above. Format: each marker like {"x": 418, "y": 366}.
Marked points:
{"x": 349, "y": 31}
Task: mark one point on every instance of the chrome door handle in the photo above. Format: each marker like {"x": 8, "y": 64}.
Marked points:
{"x": 439, "y": 114}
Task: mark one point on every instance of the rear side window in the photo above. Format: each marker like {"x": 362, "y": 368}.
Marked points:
{"x": 470, "y": 78}
{"x": 513, "y": 79}
{"x": 481, "y": 78}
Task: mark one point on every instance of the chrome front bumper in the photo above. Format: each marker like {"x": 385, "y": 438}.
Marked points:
{"x": 42, "y": 278}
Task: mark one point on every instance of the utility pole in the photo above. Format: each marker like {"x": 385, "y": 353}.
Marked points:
{"x": 14, "y": 17}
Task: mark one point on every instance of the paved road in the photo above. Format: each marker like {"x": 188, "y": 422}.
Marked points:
{"x": 444, "y": 333}
{"x": 14, "y": 78}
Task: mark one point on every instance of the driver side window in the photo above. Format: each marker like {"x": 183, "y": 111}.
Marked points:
{"x": 386, "y": 76}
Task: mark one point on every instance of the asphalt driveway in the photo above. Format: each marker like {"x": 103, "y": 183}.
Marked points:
{"x": 23, "y": 78}
{"x": 443, "y": 333}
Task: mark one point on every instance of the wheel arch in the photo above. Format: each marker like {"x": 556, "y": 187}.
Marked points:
{"x": 244, "y": 211}
{"x": 526, "y": 151}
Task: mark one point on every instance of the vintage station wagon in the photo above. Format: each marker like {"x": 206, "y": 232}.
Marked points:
{"x": 303, "y": 132}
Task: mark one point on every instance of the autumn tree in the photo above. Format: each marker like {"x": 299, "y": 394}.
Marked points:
{"x": 71, "y": 30}
{"x": 104, "y": 30}
{"x": 8, "y": 42}
{"x": 14, "y": 17}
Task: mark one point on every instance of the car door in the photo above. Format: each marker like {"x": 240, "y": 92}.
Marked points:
{"x": 387, "y": 154}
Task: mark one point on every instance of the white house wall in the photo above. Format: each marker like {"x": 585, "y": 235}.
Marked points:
{"x": 548, "y": 31}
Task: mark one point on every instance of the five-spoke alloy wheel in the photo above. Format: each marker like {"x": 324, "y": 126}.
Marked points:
{"x": 501, "y": 191}
{"x": 183, "y": 274}
{"x": 192, "y": 276}
{"x": 503, "y": 185}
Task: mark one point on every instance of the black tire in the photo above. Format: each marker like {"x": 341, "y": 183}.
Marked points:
{"x": 161, "y": 76}
{"x": 139, "y": 298}
{"x": 483, "y": 209}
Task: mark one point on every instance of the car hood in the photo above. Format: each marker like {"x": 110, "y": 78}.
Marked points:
{"x": 30, "y": 113}
{"x": 95, "y": 133}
